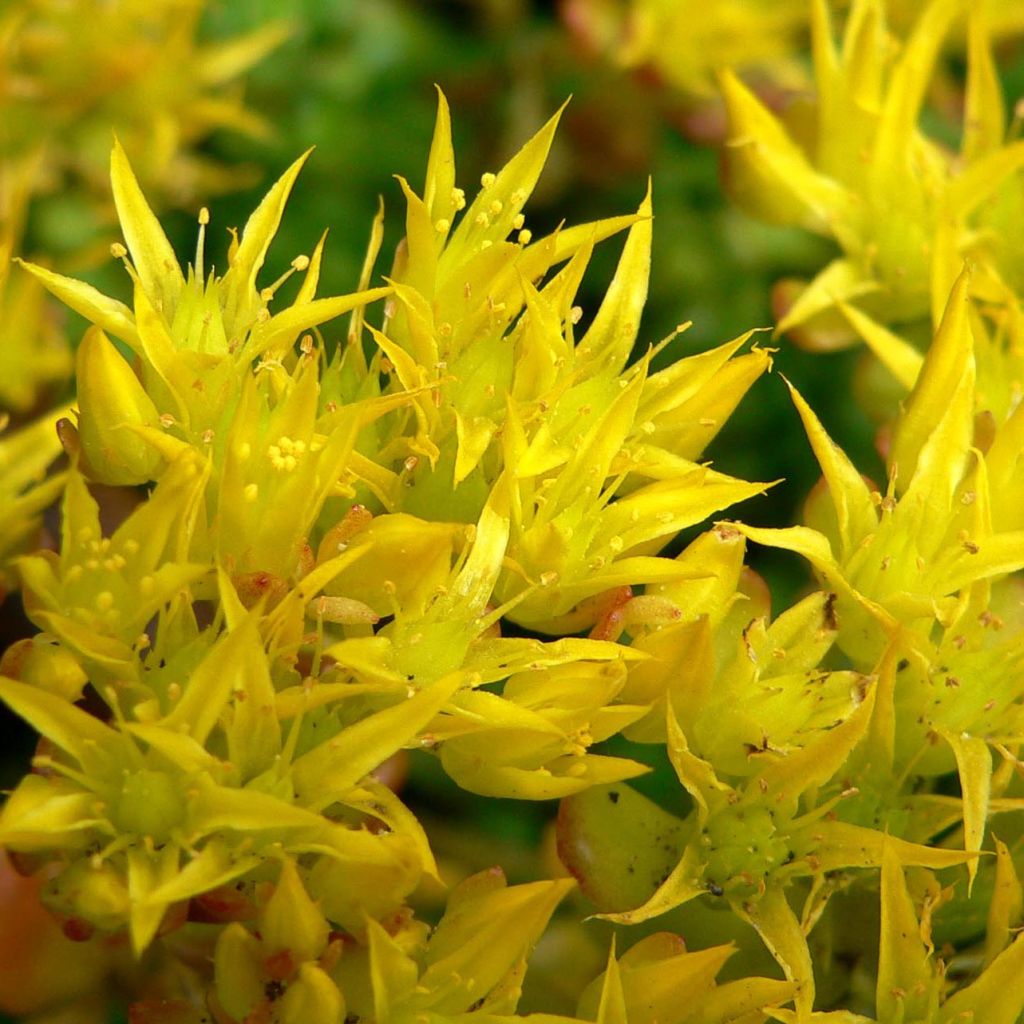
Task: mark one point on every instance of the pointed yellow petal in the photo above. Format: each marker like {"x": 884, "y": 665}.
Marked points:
{"x": 901, "y": 359}
{"x": 612, "y": 1007}
{"x": 281, "y": 331}
{"x": 507, "y": 195}
{"x": 109, "y": 314}
{"x": 358, "y": 749}
{"x": 909, "y": 81}
{"x": 904, "y": 972}
{"x": 83, "y": 736}
{"x": 607, "y": 344}
{"x": 437, "y": 190}
{"x": 841, "y": 845}
{"x": 780, "y": 931}
{"x": 819, "y": 761}
{"x": 974, "y": 764}
{"x": 246, "y": 261}
{"x": 841, "y": 281}
{"x": 850, "y": 495}
{"x": 997, "y": 997}
{"x": 147, "y": 871}
{"x": 766, "y": 172}
{"x": 153, "y": 257}
{"x": 215, "y": 865}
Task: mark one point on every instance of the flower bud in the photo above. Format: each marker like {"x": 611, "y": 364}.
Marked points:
{"x": 97, "y": 895}
{"x": 46, "y": 665}
{"x": 312, "y": 999}
{"x": 111, "y": 401}
{"x": 291, "y": 920}
{"x": 237, "y": 973}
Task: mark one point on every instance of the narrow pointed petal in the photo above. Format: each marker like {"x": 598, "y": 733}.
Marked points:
{"x": 153, "y": 257}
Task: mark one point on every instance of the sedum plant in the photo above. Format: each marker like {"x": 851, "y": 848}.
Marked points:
{"x": 253, "y": 671}
{"x": 437, "y": 532}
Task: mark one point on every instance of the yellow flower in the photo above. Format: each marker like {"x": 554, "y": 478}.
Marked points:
{"x": 473, "y": 960}
{"x": 684, "y": 42}
{"x": 275, "y": 458}
{"x": 74, "y": 71}
{"x": 898, "y": 204}
{"x": 147, "y": 816}
{"x": 196, "y": 336}
{"x": 597, "y": 456}
{"x": 912, "y": 982}
{"x": 920, "y": 574}
{"x": 100, "y": 593}
{"x": 658, "y": 979}
{"x": 25, "y": 490}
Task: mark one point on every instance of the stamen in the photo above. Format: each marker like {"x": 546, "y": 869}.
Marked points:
{"x": 299, "y": 263}
{"x": 204, "y": 219}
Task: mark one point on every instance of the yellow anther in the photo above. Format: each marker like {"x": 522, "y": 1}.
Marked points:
{"x": 482, "y": 220}
{"x": 118, "y": 251}
{"x": 442, "y": 225}
{"x": 518, "y": 221}
{"x": 204, "y": 216}
{"x": 458, "y": 198}
{"x": 300, "y": 263}
{"x": 166, "y": 421}
{"x": 575, "y": 314}
{"x": 131, "y": 547}
{"x": 524, "y": 236}
{"x": 487, "y": 179}
{"x": 147, "y": 585}
{"x": 289, "y": 463}
{"x": 104, "y": 601}
{"x": 496, "y": 207}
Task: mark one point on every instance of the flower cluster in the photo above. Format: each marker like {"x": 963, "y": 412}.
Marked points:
{"x": 437, "y": 532}
{"x": 319, "y": 576}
